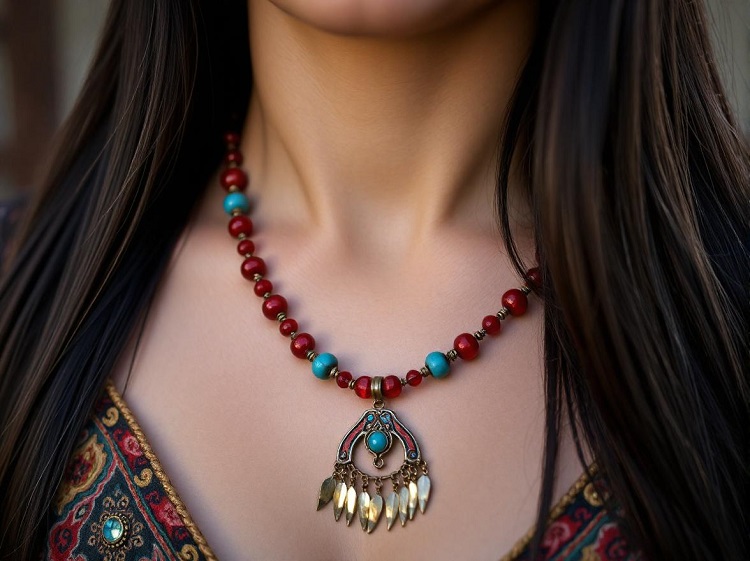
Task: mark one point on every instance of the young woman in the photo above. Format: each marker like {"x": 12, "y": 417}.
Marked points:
{"x": 384, "y": 142}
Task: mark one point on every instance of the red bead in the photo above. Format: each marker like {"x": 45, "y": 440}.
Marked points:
{"x": 362, "y": 387}
{"x": 413, "y": 378}
{"x": 274, "y": 305}
{"x": 301, "y": 344}
{"x": 492, "y": 325}
{"x": 534, "y": 278}
{"x": 232, "y": 138}
{"x": 263, "y": 287}
{"x": 466, "y": 346}
{"x": 240, "y": 225}
{"x": 390, "y": 387}
{"x": 288, "y": 326}
{"x": 245, "y": 247}
{"x": 233, "y": 176}
{"x": 233, "y": 157}
{"x": 515, "y": 301}
{"x": 343, "y": 379}
{"x": 253, "y": 266}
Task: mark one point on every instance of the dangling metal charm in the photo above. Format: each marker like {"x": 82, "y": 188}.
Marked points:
{"x": 378, "y": 428}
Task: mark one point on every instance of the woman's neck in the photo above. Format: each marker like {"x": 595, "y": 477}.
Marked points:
{"x": 343, "y": 130}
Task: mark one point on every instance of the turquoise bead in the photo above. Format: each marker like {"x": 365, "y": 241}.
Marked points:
{"x": 323, "y": 364}
{"x": 235, "y": 201}
{"x": 112, "y": 530}
{"x": 377, "y": 441}
{"x": 438, "y": 364}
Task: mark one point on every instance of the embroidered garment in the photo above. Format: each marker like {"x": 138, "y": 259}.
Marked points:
{"x": 116, "y": 503}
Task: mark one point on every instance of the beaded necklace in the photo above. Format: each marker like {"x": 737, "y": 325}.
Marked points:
{"x": 378, "y": 427}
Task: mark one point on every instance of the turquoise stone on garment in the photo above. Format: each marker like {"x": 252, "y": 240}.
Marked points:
{"x": 438, "y": 364}
{"x": 112, "y": 529}
{"x": 234, "y": 201}
{"x": 323, "y": 364}
{"x": 377, "y": 442}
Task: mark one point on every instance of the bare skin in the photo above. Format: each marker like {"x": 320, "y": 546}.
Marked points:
{"x": 371, "y": 160}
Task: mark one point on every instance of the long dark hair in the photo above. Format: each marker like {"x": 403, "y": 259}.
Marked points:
{"x": 639, "y": 181}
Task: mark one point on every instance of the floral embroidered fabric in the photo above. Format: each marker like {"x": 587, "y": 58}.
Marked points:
{"x": 115, "y": 503}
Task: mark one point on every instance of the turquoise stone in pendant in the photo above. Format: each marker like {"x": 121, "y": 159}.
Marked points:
{"x": 377, "y": 442}
{"x": 113, "y": 530}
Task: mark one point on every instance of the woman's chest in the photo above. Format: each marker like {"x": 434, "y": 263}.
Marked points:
{"x": 247, "y": 434}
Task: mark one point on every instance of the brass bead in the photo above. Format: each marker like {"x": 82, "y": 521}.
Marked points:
{"x": 503, "y": 313}
{"x": 334, "y": 372}
{"x": 281, "y": 316}
{"x": 375, "y": 387}
{"x": 452, "y": 355}
{"x": 311, "y": 355}
{"x": 479, "y": 335}
{"x": 525, "y": 289}
{"x": 237, "y": 212}
{"x": 425, "y": 372}
{"x": 351, "y": 384}
{"x": 241, "y": 236}
{"x": 403, "y": 381}
{"x": 233, "y": 188}
{"x": 293, "y": 335}
{"x": 257, "y": 277}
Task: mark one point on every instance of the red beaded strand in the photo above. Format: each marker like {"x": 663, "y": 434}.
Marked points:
{"x": 465, "y": 346}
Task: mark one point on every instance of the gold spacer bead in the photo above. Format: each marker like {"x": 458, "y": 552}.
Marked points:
{"x": 403, "y": 381}
{"x": 311, "y": 355}
{"x": 233, "y": 188}
{"x": 479, "y": 335}
{"x": 503, "y": 313}
{"x": 257, "y": 277}
{"x": 237, "y": 212}
{"x": 293, "y": 335}
{"x": 452, "y": 355}
{"x": 281, "y": 316}
{"x": 241, "y": 236}
{"x": 425, "y": 372}
{"x": 351, "y": 384}
{"x": 525, "y": 289}
{"x": 266, "y": 296}
{"x": 334, "y": 372}
{"x": 375, "y": 388}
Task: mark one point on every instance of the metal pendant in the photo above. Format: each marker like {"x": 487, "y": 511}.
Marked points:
{"x": 378, "y": 428}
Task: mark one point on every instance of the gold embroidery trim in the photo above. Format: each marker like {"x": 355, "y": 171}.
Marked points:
{"x": 554, "y": 512}
{"x": 160, "y": 474}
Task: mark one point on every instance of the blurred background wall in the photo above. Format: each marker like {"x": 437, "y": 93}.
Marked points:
{"x": 45, "y": 48}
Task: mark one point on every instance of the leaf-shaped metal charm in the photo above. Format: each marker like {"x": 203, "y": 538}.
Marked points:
{"x": 391, "y": 508}
{"x": 423, "y": 492}
{"x": 351, "y": 504}
{"x": 326, "y": 492}
{"x": 403, "y": 505}
{"x": 373, "y": 514}
{"x": 412, "y": 499}
{"x": 339, "y": 499}
{"x": 364, "y": 508}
